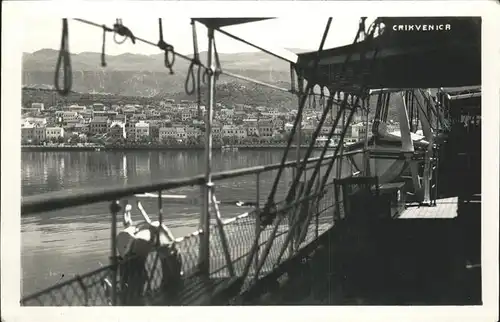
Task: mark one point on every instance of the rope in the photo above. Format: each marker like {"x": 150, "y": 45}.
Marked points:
{"x": 64, "y": 58}
{"x": 372, "y": 29}
{"x": 410, "y": 110}
{"x": 84, "y": 289}
{"x": 346, "y": 124}
{"x": 135, "y": 38}
{"x": 103, "y": 53}
{"x": 322, "y": 98}
{"x": 170, "y": 53}
{"x": 120, "y": 29}
{"x": 298, "y": 195}
{"x": 169, "y": 58}
{"x": 266, "y": 217}
{"x": 218, "y": 67}
{"x": 300, "y": 170}
{"x": 195, "y": 81}
{"x": 434, "y": 110}
{"x": 186, "y": 58}
{"x": 421, "y": 110}
{"x": 376, "y": 120}
{"x": 195, "y": 61}
{"x": 386, "y": 107}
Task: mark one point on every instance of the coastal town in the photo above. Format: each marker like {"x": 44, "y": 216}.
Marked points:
{"x": 171, "y": 123}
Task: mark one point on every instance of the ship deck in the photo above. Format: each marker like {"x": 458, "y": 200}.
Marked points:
{"x": 418, "y": 258}
{"x": 445, "y": 208}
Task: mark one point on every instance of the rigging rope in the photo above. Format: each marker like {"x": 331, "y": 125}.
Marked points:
{"x": 120, "y": 29}
{"x": 376, "y": 120}
{"x": 103, "y": 52}
{"x": 435, "y": 110}
{"x": 386, "y": 107}
{"x": 341, "y": 110}
{"x": 421, "y": 110}
{"x": 169, "y": 58}
{"x": 322, "y": 98}
{"x": 218, "y": 66}
{"x": 299, "y": 114}
{"x": 170, "y": 53}
{"x": 135, "y": 38}
{"x": 64, "y": 58}
{"x": 298, "y": 196}
{"x": 194, "y": 62}
{"x": 179, "y": 55}
{"x": 266, "y": 216}
{"x": 270, "y": 217}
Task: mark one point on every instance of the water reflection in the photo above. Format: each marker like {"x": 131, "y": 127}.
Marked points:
{"x": 76, "y": 240}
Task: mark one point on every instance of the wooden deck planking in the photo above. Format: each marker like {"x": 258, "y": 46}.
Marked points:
{"x": 445, "y": 208}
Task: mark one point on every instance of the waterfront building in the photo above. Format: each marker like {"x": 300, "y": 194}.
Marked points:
{"x": 192, "y": 132}
{"x": 75, "y": 108}
{"x": 141, "y": 130}
{"x": 35, "y": 120}
{"x": 27, "y": 132}
{"x": 39, "y": 106}
{"x": 68, "y": 116}
{"x": 99, "y": 125}
{"x": 39, "y": 133}
{"x": 234, "y": 131}
{"x": 252, "y": 128}
{"x": 167, "y": 132}
{"x": 265, "y": 128}
{"x": 98, "y": 107}
{"x": 54, "y": 132}
{"x": 117, "y": 130}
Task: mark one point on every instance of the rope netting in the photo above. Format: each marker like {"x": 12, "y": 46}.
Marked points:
{"x": 278, "y": 223}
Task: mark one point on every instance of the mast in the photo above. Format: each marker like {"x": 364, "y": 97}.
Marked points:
{"x": 204, "y": 256}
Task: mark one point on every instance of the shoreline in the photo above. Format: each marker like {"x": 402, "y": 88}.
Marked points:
{"x": 41, "y": 148}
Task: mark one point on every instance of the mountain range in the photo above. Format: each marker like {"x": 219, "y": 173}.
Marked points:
{"x": 145, "y": 75}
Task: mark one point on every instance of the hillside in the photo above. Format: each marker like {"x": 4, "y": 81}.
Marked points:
{"x": 141, "y": 75}
{"x": 144, "y": 76}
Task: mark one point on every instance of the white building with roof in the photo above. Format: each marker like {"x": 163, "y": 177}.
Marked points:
{"x": 141, "y": 130}
{"x": 54, "y": 132}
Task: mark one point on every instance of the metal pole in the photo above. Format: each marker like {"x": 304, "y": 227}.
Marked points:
{"x": 366, "y": 155}
{"x": 318, "y": 201}
{"x": 291, "y": 218}
{"x": 222, "y": 236}
{"x": 160, "y": 213}
{"x": 115, "y": 208}
{"x": 341, "y": 151}
{"x": 257, "y": 221}
{"x": 204, "y": 257}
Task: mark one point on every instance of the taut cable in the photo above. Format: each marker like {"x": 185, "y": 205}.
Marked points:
{"x": 64, "y": 58}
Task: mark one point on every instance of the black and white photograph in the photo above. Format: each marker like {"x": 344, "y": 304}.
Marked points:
{"x": 250, "y": 160}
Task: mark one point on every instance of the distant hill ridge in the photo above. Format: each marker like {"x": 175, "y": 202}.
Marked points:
{"x": 145, "y": 75}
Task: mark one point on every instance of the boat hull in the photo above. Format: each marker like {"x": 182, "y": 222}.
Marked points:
{"x": 386, "y": 169}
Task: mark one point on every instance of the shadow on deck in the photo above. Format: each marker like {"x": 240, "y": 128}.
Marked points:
{"x": 431, "y": 257}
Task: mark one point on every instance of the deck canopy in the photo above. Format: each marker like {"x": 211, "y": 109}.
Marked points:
{"x": 411, "y": 52}
{"x": 464, "y": 98}
{"x": 225, "y": 22}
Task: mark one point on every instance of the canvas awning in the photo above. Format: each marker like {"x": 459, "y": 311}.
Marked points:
{"x": 464, "y": 98}
{"x": 412, "y": 52}
{"x": 224, "y": 22}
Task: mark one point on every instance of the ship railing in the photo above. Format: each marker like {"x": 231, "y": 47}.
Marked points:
{"x": 231, "y": 237}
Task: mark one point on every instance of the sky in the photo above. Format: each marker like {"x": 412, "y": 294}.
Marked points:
{"x": 290, "y": 32}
